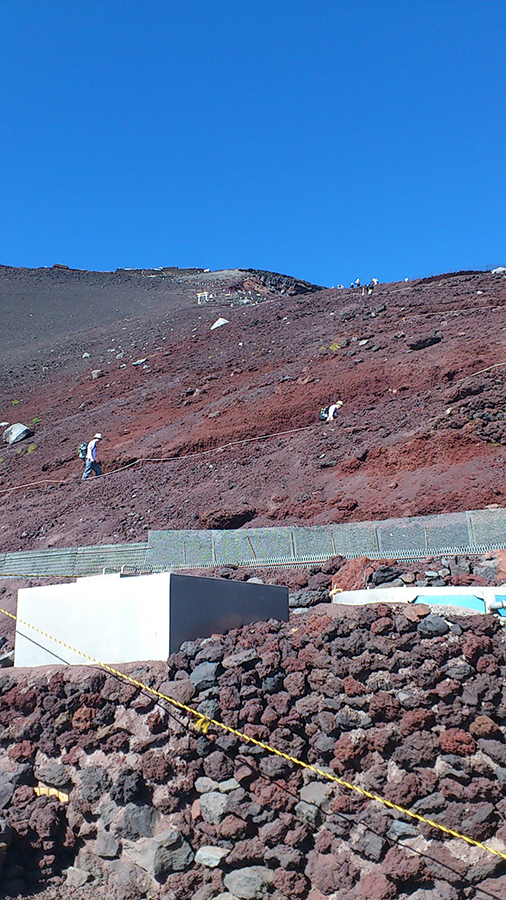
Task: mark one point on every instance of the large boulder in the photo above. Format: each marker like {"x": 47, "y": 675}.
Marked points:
{"x": 15, "y": 433}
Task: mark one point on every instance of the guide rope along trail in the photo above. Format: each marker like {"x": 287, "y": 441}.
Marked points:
{"x": 203, "y": 723}
{"x": 160, "y": 459}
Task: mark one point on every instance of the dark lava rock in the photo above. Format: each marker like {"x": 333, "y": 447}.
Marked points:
{"x": 218, "y": 766}
{"x": 384, "y": 574}
{"x": 54, "y": 775}
{"x": 418, "y": 749}
{"x": 129, "y": 786}
{"x": 422, "y": 343}
{"x": 204, "y": 675}
{"x": 432, "y": 626}
{"x": 94, "y": 781}
{"x": 495, "y": 749}
{"x": 137, "y": 821}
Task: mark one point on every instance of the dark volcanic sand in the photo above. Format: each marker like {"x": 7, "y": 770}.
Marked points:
{"x": 394, "y": 450}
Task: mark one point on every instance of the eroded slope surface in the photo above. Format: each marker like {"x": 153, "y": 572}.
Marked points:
{"x": 419, "y": 432}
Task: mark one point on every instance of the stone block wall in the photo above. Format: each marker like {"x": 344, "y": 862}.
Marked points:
{"x": 394, "y": 699}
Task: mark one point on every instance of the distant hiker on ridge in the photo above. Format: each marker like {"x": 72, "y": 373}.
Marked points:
{"x": 92, "y": 464}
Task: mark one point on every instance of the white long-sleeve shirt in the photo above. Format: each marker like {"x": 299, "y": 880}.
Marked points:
{"x": 91, "y": 452}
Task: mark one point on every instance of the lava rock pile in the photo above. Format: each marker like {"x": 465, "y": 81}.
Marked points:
{"x": 403, "y": 703}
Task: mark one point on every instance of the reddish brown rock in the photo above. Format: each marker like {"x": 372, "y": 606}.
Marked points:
{"x": 273, "y": 832}
{"x": 21, "y": 752}
{"x": 229, "y": 698}
{"x": 447, "y": 688}
{"x": 295, "y": 683}
{"x": 323, "y": 871}
{"x": 402, "y": 865}
{"x": 415, "y": 613}
{"x": 487, "y": 664}
{"x": 157, "y": 722}
{"x": 232, "y": 828}
{"x": 154, "y": 767}
{"x": 382, "y": 626}
{"x": 483, "y": 726}
{"x": 474, "y": 646}
{"x": 466, "y": 580}
{"x": 246, "y": 852}
{"x": 23, "y": 795}
{"x": 416, "y": 720}
{"x": 500, "y": 556}
{"x": 290, "y": 884}
{"x": 457, "y": 741}
{"x": 118, "y": 691}
{"x": 117, "y": 742}
{"x": 383, "y": 740}
{"x": 376, "y": 886}
{"x": 83, "y": 718}
{"x": 353, "y": 687}
{"x": 347, "y": 751}
{"x": 297, "y": 835}
{"x": 384, "y": 707}
{"x": 452, "y": 789}
{"x": 352, "y": 576}
{"x": 406, "y": 791}
{"x": 47, "y": 817}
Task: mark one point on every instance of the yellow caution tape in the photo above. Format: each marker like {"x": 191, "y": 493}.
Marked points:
{"x": 203, "y": 723}
{"x": 43, "y": 790}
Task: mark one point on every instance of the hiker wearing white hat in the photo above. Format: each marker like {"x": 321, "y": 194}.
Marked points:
{"x": 333, "y": 410}
{"x": 92, "y": 464}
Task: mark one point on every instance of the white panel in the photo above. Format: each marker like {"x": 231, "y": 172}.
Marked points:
{"x": 409, "y": 594}
{"x": 112, "y": 619}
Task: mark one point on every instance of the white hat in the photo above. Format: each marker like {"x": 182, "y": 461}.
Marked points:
{"x": 97, "y": 436}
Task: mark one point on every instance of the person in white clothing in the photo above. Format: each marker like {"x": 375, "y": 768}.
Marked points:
{"x": 92, "y": 464}
{"x": 333, "y": 410}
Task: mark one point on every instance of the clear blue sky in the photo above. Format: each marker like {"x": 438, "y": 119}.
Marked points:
{"x": 328, "y": 139}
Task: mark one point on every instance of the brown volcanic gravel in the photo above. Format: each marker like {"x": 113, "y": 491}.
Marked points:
{"x": 393, "y": 451}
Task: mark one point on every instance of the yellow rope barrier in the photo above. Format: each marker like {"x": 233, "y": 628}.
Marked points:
{"x": 203, "y": 723}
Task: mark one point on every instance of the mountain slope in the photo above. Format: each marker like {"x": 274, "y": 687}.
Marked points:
{"x": 419, "y": 431}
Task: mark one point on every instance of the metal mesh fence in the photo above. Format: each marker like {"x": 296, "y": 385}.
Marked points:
{"x": 409, "y": 538}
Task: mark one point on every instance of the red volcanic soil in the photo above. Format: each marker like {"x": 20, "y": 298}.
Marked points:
{"x": 419, "y": 366}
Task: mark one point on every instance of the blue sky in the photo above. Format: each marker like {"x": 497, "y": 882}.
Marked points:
{"x": 328, "y": 140}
